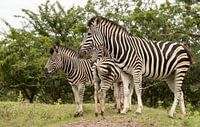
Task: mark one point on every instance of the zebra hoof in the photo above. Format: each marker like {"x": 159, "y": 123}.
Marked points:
{"x": 115, "y": 106}
{"x": 129, "y": 110}
{"x": 118, "y": 111}
{"x": 78, "y": 114}
{"x": 96, "y": 114}
{"x": 170, "y": 114}
{"x": 102, "y": 113}
{"x": 124, "y": 111}
{"x": 138, "y": 113}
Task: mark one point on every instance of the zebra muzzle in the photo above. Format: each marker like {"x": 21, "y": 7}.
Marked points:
{"x": 46, "y": 71}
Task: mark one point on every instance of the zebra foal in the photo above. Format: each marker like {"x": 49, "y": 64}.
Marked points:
{"x": 107, "y": 74}
{"x": 78, "y": 72}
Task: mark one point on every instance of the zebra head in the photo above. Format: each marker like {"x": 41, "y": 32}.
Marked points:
{"x": 94, "y": 37}
{"x": 54, "y": 62}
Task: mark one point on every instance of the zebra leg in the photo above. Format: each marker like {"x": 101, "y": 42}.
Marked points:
{"x": 117, "y": 95}
{"x": 101, "y": 96}
{"x": 130, "y": 96}
{"x": 182, "y": 104}
{"x": 81, "y": 89}
{"x": 96, "y": 99}
{"x": 126, "y": 91}
{"x": 77, "y": 99}
{"x": 171, "y": 83}
{"x": 137, "y": 79}
{"x": 176, "y": 84}
{"x": 121, "y": 94}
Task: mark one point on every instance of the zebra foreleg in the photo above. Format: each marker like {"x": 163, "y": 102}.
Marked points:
{"x": 81, "y": 90}
{"x": 78, "y": 112}
{"x": 137, "y": 79}
{"x": 125, "y": 80}
{"x": 130, "y": 96}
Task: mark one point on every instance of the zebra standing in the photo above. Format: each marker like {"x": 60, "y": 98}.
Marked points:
{"x": 103, "y": 80}
{"x": 108, "y": 74}
{"x": 78, "y": 72}
{"x": 140, "y": 58}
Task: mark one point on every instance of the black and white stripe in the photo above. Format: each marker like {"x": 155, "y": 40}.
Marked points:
{"x": 109, "y": 75}
{"x": 78, "y": 72}
{"x": 140, "y": 57}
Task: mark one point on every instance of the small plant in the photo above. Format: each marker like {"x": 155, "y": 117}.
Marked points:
{"x": 160, "y": 104}
{"x": 20, "y": 97}
{"x": 58, "y": 103}
{"x": 37, "y": 98}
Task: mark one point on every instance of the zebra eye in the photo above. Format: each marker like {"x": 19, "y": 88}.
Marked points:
{"x": 89, "y": 34}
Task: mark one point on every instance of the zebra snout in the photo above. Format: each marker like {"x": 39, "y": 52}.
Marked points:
{"x": 81, "y": 54}
{"x": 46, "y": 72}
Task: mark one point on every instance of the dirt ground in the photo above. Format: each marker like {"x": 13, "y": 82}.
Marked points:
{"x": 104, "y": 123}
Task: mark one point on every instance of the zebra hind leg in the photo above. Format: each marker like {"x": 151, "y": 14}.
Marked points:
{"x": 117, "y": 95}
{"x": 101, "y": 97}
{"x": 130, "y": 96}
{"x": 96, "y": 100}
{"x": 175, "y": 82}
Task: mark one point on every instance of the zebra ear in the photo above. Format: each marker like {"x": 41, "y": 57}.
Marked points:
{"x": 57, "y": 44}
{"x": 51, "y": 51}
{"x": 98, "y": 19}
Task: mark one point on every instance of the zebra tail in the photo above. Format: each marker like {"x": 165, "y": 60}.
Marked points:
{"x": 190, "y": 55}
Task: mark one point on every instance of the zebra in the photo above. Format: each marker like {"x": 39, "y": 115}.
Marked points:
{"x": 141, "y": 58}
{"x": 113, "y": 79}
{"x": 78, "y": 72}
{"x": 105, "y": 71}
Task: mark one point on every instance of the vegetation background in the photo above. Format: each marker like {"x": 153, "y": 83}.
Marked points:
{"x": 24, "y": 51}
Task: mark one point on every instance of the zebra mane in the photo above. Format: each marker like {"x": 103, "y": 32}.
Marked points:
{"x": 100, "y": 19}
{"x": 63, "y": 49}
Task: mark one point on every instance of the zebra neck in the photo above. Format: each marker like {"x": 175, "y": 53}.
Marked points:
{"x": 68, "y": 65}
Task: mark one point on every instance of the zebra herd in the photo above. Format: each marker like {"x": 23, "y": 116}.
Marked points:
{"x": 121, "y": 60}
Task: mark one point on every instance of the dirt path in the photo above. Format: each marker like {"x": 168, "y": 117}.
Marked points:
{"x": 104, "y": 123}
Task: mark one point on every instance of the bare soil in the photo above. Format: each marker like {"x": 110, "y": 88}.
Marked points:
{"x": 104, "y": 123}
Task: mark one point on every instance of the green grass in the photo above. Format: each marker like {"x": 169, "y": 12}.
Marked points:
{"x": 21, "y": 114}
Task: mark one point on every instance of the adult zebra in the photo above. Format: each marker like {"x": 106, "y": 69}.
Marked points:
{"x": 140, "y": 57}
{"x": 108, "y": 74}
{"x": 78, "y": 72}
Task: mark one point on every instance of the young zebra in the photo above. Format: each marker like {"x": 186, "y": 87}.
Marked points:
{"x": 107, "y": 74}
{"x": 140, "y": 58}
{"x": 78, "y": 72}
